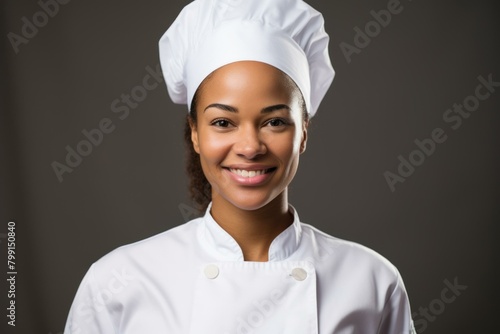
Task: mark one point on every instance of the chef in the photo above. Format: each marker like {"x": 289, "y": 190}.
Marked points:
{"x": 252, "y": 73}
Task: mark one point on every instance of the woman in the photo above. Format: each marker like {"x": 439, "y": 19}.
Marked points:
{"x": 253, "y": 73}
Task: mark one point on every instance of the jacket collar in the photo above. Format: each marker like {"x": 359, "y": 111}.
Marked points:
{"x": 222, "y": 245}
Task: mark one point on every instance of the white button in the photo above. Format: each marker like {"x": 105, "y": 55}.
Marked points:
{"x": 299, "y": 274}
{"x": 211, "y": 271}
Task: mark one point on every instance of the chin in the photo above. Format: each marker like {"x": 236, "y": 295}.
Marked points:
{"x": 249, "y": 201}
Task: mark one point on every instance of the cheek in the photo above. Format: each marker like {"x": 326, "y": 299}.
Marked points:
{"x": 286, "y": 149}
{"x": 213, "y": 149}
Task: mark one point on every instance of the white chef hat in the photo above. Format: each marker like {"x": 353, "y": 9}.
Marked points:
{"x": 208, "y": 34}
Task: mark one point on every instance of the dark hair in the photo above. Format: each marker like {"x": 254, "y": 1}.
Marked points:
{"x": 200, "y": 189}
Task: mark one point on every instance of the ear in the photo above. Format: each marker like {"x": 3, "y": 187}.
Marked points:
{"x": 194, "y": 136}
{"x": 303, "y": 141}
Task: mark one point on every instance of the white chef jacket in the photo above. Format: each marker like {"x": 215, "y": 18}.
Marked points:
{"x": 192, "y": 279}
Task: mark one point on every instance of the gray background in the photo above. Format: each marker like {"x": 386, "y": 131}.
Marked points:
{"x": 439, "y": 224}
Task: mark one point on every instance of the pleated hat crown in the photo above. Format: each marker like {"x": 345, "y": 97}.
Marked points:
{"x": 208, "y": 34}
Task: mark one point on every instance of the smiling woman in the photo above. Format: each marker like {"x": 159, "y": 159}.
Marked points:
{"x": 263, "y": 106}
{"x": 253, "y": 73}
{"x": 248, "y": 119}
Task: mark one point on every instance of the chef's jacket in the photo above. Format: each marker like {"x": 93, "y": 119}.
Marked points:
{"x": 192, "y": 279}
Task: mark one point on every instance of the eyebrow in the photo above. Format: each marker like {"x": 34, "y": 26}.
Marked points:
{"x": 266, "y": 110}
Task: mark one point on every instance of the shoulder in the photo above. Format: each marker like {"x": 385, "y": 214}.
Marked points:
{"x": 151, "y": 251}
{"x": 344, "y": 256}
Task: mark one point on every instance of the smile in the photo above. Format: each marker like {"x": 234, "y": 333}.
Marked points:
{"x": 251, "y": 176}
{"x": 250, "y": 173}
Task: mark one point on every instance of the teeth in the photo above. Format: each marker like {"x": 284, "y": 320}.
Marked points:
{"x": 248, "y": 173}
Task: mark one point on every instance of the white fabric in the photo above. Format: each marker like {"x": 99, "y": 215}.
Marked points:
{"x": 208, "y": 34}
{"x": 192, "y": 279}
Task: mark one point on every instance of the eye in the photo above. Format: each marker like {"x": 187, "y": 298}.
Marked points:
{"x": 276, "y": 122}
{"x": 220, "y": 123}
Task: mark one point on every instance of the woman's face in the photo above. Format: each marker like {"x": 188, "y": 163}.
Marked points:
{"x": 249, "y": 133}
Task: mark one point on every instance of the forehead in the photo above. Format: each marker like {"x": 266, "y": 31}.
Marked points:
{"x": 248, "y": 77}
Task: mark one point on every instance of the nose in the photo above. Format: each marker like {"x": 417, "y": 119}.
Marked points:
{"x": 249, "y": 143}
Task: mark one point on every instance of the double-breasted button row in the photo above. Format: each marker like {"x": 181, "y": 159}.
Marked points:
{"x": 211, "y": 271}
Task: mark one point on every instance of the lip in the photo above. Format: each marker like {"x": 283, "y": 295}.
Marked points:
{"x": 249, "y": 181}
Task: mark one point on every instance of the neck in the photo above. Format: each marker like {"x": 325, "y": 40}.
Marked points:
{"x": 253, "y": 230}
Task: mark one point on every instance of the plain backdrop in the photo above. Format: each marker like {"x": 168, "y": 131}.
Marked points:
{"x": 439, "y": 224}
